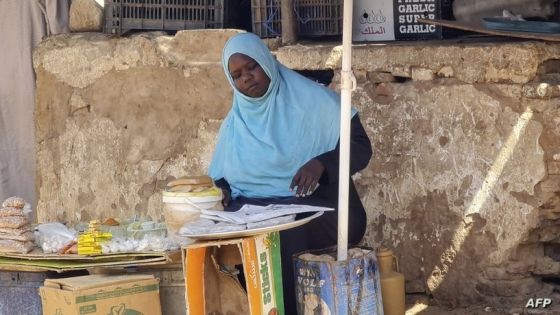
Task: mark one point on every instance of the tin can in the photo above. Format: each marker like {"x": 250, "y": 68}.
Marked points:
{"x": 326, "y": 286}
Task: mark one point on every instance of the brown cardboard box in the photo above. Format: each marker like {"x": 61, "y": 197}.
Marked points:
{"x": 212, "y": 288}
{"x": 101, "y": 294}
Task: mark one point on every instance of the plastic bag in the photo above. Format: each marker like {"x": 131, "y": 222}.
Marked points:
{"x": 13, "y": 222}
{"x": 11, "y": 211}
{"x": 52, "y": 237}
{"x": 23, "y": 237}
{"x": 15, "y": 202}
{"x": 20, "y": 230}
{"x": 11, "y": 246}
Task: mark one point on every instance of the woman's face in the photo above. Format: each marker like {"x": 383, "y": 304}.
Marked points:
{"x": 248, "y": 76}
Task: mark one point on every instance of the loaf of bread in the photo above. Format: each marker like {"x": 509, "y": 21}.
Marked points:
{"x": 15, "y": 202}
{"x": 11, "y": 211}
{"x": 11, "y": 246}
{"x": 24, "y": 237}
{"x": 18, "y": 231}
{"x": 189, "y": 188}
{"x": 13, "y": 222}
{"x": 191, "y": 180}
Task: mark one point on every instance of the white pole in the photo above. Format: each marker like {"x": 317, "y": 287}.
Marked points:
{"x": 348, "y": 83}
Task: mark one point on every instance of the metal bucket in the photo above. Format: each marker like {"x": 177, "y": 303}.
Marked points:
{"x": 338, "y": 287}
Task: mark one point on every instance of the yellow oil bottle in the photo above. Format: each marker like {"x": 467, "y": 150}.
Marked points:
{"x": 392, "y": 283}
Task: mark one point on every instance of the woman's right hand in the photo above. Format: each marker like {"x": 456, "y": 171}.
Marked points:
{"x": 226, "y": 199}
{"x": 307, "y": 178}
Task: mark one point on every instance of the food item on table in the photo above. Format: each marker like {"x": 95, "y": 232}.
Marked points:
{"x": 11, "y": 246}
{"x": 53, "y": 236}
{"x": 11, "y": 211}
{"x": 73, "y": 249}
{"x": 181, "y": 188}
{"x": 111, "y": 222}
{"x": 13, "y": 222}
{"x": 89, "y": 243}
{"x": 15, "y": 202}
{"x": 147, "y": 244}
{"x": 66, "y": 249}
{"x": 203, "y": 180}
{"x": 18, "y": 231}
{"x": 16, "y": 235}
{"x": 24, "y": 237}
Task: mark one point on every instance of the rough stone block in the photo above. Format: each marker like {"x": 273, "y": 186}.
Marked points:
{"x": 541, "y": 90}
{"x": 273, "y": 43}
{"x": 446, "y": 72}
{"x": 361, "y": 76}
{"x": 86, "y": 16}
{"x": 403, "y": 72}
{"x": 422, "y": 74}
{"x": 380, "y": 77}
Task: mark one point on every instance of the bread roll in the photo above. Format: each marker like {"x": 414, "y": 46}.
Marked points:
{"x": 14, "y": 202}
{"x": 192, "y": 180}
{"x": 11, "y": 211}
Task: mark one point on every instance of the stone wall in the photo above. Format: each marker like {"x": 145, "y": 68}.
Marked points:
{"x": 465, "y": 179}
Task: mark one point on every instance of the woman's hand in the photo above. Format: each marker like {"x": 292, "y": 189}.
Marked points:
{"x": 226, "y": 199}
{"x": 307, "y": 178}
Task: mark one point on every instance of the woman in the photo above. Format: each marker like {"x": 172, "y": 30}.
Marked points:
{"x": 279, "y": 145}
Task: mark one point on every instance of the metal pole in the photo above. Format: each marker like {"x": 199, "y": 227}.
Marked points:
{"x": 348, "y": 82}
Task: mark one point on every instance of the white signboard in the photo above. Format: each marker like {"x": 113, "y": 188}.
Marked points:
{"x": 373, "y": 21}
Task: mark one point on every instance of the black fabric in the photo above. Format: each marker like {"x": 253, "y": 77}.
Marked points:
{"x": 321, "y": 232}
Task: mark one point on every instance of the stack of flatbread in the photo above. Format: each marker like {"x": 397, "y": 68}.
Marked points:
{"x": 190, "y": 184}
{"x": 16, "y": 235}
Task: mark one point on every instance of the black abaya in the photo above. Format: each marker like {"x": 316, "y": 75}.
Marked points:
{"x": 321, "y": 232}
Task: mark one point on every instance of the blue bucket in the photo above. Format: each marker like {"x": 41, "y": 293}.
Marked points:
{"x": 338, "y": 287}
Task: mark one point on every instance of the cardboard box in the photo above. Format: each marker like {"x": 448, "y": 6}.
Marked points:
{"x": 101, "y": 294}
{"x": 212, "y": 287}
{"x": 383, "y": 20}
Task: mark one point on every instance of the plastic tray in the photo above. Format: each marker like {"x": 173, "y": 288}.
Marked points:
{"x": 251, "y": 232}
{"x": 521, "y": 26}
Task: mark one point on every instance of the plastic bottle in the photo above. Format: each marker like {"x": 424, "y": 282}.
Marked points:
{"x": 392, "y": 283}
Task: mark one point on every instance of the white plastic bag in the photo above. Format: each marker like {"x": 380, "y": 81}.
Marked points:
{"x": 52, "y": 237}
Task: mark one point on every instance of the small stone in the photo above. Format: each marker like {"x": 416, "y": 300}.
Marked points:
{"x": 422, "y": 74}
{"x": 85, "y": 16}
{"x": 403, "y": 72}
{"x": 360, "y": 75}
{"x": 273, "y": 43}
{"x": 446, "y": 72}
{"x": 556, "y": 157}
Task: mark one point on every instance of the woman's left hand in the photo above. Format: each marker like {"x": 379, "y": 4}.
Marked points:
{"x": 307, "y": 178}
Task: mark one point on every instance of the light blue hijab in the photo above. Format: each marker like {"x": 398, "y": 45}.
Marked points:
{"x": 264, "y": 141}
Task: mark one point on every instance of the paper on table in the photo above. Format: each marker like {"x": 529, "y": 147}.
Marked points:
{"x": 253, "y": 213}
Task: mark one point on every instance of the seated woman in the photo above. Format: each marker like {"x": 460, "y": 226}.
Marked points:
{"x": 279, "y": 145}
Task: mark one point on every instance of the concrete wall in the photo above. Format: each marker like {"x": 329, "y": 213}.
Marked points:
{"x": 465, "y": 179}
